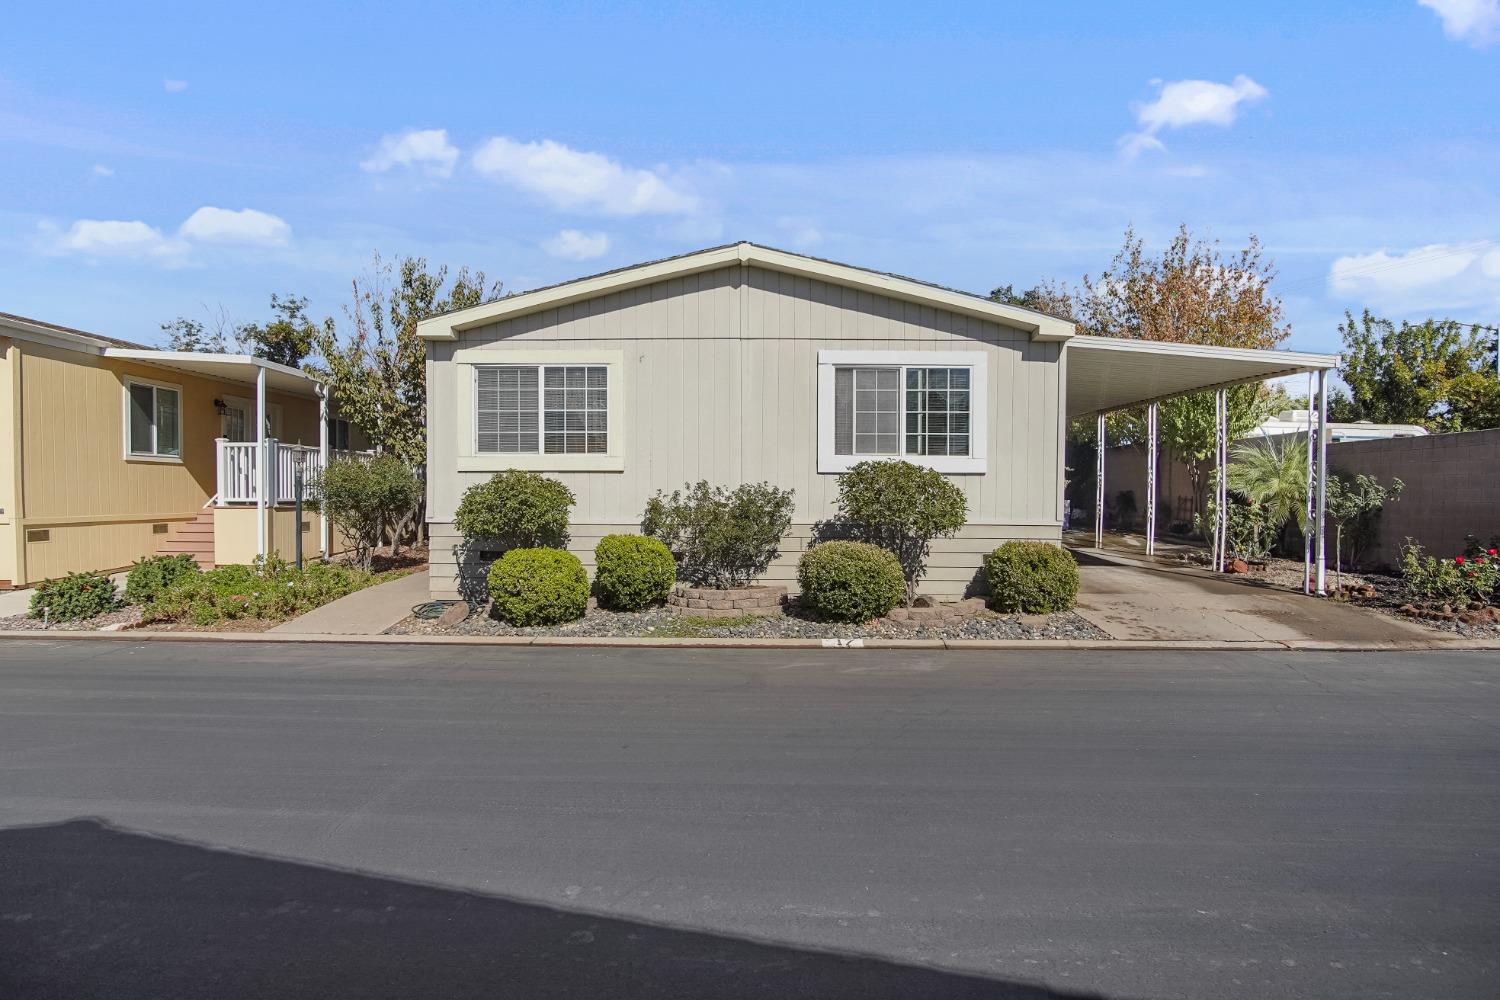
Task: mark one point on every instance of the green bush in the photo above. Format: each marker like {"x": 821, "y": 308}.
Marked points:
{"x": 1034, "y": 578}
{"x": 632, "y": 571}
{"x": 850, "y": 581}
{"x": 365, "y": 497}
{"x": 901, "y": 507}
{"x": 149, "y": 577}
{"x": 539, "y": 586}
{"x": 515, "y": 509}
{"x": 721, "y": 537}
{"x": 271, "y": 590}
{"x": 75, "y": 596}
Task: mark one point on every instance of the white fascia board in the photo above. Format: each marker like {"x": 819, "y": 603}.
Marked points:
{"x": 18, "y": 330}
{"x": 1041, "y": 327}
{"x": 1296, "y": 361}
{"x": 181, "y": 358}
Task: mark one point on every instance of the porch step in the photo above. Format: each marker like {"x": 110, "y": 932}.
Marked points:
{"x": 194, "y": 538}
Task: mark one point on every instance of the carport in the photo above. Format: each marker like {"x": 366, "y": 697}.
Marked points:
{"x": 1106, "y": 374}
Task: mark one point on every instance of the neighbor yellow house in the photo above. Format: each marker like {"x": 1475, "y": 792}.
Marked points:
{"x": 110, "y": 451}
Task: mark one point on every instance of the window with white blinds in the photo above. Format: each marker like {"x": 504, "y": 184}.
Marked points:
{"x": 541, "y": 409}
{"x": 923, "y": 406}
{"x": 874, "y": 415}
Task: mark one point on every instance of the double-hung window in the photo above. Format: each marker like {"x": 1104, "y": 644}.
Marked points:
{"x": 153, "y": 420}
{"x": 925, "y": 407}
{"x": 541, "y": 409}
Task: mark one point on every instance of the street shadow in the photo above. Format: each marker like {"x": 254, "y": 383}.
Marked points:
{"x": 90, "y": 910}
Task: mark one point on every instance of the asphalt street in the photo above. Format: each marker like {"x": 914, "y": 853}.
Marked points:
{"x": 237, "y": 820}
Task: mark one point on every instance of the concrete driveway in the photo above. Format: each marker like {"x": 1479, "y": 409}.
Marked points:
{"x": 1133, "y": 599}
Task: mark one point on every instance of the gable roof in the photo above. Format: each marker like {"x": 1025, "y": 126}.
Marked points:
{"x": 449, "y": 325}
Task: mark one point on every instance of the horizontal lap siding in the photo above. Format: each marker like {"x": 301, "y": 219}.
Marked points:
{"x": 720, "y": 383}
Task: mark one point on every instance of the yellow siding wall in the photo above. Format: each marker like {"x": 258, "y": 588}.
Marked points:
{"x": 97, "y": 505}
{"x": 9, "y": 529}
{"x": 235, "y": 537}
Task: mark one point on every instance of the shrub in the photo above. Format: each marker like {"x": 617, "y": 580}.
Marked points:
{"x": 269, "y": 590}
{"x": 516, "y": 510}
{"x": 149, "y": 577}
{"x": 75, "y": 596}
{"x": 901, "y": 507}
{"x": 850, "y": 581}
{"x": 632, "y": 571}
{"x": 364, "y": 496}
{"x": 539, "y": 586}
{"x": 721, "y": 538}
{"x": 1459, "y": 580}
{"x": 1034, "y": 578}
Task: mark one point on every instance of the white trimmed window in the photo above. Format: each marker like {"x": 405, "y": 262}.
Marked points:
{"x": 540, "y": 409}
{"x": 153, "y": 420}
{"x": 925, "y": 407}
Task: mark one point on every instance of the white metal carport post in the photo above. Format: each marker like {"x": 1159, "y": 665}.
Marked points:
{"x": 262, "y": 460}
{"x": 1307, "y": 535}
{"x": 323, "y": 532}
{"x": 1151, "y": 479}
{"x": 1221, "y": 475}
{"x": 1099, "y": 446}
{"x": 1322, "y": 510}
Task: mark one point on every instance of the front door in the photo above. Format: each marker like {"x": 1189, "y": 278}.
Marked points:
{"x": 236, "y": 424}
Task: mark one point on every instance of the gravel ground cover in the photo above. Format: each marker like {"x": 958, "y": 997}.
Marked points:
{"x": 127, "y": 616}
{"x": 659, "y": 623}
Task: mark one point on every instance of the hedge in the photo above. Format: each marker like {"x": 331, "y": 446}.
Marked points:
{"x": 1033, "y": 578}
{"x": 539, "y": 587}
{"x": 850, "y": 581}
{"x": 632, "y": 571}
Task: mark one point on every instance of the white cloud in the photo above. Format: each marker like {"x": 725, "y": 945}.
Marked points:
{"x": 1183, "y": 103}
{"x": 174, "y": 86}
{"x": 113, "y": 236}
{"x": 426, "y": 149}
{"x": 1439, "y": 276}
{"x": 575, "y": 180}
{"x": 223, "y": 225}
{"x": 1474, "y": 21}
{"x": 801, "y": 231}
{"x": 100, "y": 170}
{"x": 133, "y": 238}
{"x": 573, "y": 244}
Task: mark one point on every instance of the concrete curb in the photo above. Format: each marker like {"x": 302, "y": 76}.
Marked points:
{"x": 957, "y": 645}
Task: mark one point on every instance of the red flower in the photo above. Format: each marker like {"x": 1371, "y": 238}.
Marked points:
{"x": 1493, "y": 552}
{"x": 1459, "y": 560}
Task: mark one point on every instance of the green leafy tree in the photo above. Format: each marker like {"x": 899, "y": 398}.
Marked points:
{"x": 377, "y": 366}
{"x": 288, "y": 338}
{"x": 1353, "y": 503}
{"x": 184, "y": 334}
{"x": 901, "y": 507}
{"x": 1437, "y": 373}
{"x": 365, "y": 498}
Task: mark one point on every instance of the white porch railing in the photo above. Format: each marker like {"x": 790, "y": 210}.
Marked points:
{"x": 239, "y": 468}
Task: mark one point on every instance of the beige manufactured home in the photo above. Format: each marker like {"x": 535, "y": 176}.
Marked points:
{"x": 744, "y": 363}
{"x": 110, "y": 451}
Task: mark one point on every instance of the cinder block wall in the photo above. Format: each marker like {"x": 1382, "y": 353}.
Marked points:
{"x": 1452, "y": 488}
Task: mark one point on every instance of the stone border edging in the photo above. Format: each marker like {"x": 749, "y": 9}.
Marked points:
{"x": 957, "y": 645}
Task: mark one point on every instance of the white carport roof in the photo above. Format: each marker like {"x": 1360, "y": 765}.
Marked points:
{"x": 1107, "y": 373}
{"x": 239, "y": 368}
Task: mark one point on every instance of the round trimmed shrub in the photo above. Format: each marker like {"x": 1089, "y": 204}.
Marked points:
{"x": 632, "y": 571}
{"x": 850, "y": 581}
{"x": 1034, "y": 578}
{"x": 539, "y": 587}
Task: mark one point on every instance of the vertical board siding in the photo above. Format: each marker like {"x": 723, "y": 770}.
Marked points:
{"x": 721, "y": 373}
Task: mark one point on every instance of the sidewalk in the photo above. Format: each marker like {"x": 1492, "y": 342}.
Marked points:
{"x": 365, "y": 612}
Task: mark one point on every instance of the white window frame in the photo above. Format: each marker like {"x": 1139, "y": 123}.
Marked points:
{"x": 977, "y": 362}
{"x": 149, "y": 456}
{"x": 471, "y": 459}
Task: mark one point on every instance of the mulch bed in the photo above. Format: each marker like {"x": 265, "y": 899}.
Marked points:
{"x": 658, "y": 622}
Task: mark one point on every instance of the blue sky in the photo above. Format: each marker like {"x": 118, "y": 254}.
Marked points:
{"x": 175, "y": 159}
